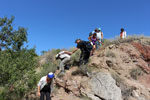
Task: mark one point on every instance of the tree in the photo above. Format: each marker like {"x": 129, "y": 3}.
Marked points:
{"x": 17, "y": 63}
{"x": 10, "y": 38}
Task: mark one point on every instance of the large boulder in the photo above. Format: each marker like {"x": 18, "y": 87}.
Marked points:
{"x": 104, "y": 87}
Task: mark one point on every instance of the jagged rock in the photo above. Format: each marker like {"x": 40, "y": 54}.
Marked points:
{"x": 144, "y": 50}
{"x": 109, "y": 63}
{"x": 104, "y": 87}
{"x": 111, "y": 46}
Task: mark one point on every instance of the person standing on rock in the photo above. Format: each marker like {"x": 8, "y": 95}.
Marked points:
{"x": 123, "y": 34}
{"x": 85, "y": 48}
{"x": 45, "y": 86}
{"x": 99, "y": 35}
{"x": 93, "y": 39}
{"x": 65, "y": 58}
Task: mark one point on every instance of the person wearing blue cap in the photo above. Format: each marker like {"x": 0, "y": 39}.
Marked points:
{"x": 45, "y": 86}
{"x": 99, "y": 34}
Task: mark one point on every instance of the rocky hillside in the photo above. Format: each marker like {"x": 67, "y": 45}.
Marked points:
{"x": 119, "y": 71}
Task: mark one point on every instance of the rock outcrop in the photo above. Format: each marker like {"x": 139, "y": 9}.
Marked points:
{"x": 104, "y": 87}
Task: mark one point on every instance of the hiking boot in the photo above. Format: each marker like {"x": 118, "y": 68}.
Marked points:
{"x": 67, "y": 67}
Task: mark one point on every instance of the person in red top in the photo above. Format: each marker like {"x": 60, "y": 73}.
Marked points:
{"x": 122, "y": 34}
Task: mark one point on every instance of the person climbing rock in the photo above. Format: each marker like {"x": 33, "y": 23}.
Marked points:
{"x": 123, "y": 34}
{"x": 65, "y": 58}
{"x": 93, "y": 39}
{"x": 99, "y": 35}
{"x": 85, "y": 47}
{"x": 45, "y": 86}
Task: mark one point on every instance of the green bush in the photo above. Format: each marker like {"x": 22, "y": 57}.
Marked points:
{"x": 75, "y": 58}
{"x": 17, "y": 63}
{"x": 48, "y": 67}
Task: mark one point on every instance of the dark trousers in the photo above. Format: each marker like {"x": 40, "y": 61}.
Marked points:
{"x": 43, "y": 94}
{"x": 84, "y": 58}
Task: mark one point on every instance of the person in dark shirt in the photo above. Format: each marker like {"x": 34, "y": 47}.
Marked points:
{"x": 85, "y": 52}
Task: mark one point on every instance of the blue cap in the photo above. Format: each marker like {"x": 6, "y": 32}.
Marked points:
{"x": 50, "y": 75}
{"x": 99, "y": 28}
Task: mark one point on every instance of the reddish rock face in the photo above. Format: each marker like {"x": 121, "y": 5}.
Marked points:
{"x": 144, "y": 50}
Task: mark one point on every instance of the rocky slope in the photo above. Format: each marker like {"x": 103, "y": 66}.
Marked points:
{"x": 118, "y": 72}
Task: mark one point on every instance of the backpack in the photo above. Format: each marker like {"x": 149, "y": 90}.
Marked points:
{"x": 88, "y": 46}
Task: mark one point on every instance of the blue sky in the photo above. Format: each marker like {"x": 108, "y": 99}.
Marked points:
{"x": 57, "y": 23}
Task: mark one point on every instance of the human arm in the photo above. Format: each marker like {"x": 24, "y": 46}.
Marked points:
{"x": 67, "y": 52}
{"x": 102, "y": 35}
{"x": 75, "y": 50}
{"x": 39, "y": 86}
{"x": 38, "y": 92}
{"x": 89, "y": 38}
{"x": 52, "y": 88}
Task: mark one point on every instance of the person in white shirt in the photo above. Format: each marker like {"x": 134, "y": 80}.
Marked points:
{"x": 123, "y": 34}
{"x": 65, "y": 58}
{"x": 99, "y": 34}
{"x": 45, "y": 86}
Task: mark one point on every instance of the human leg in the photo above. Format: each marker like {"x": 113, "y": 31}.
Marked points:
{"x": 48, "y": 96}
{"x": 92, "y": 52}
{"x": 61, "y": 66}
{"x": 85, "y": 61}
{"x": 63, "y": 63}
{"x": 81, "y": 59}
{"x": 66, "y": 61}
{"x": 42, "y": 95}
{"x": 97, "y": 44}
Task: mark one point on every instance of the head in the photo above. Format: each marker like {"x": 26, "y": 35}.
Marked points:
{"x": 94, "y": 35}
{"x": 98, "y": 29}
{"x": 50, "y": 76}
{"x": 122, "y": 29}
{"x": 77, "y": 41}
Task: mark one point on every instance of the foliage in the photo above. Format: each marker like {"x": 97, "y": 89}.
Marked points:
{"x": 10, "y": 38}
{"x": 75, "y": 58}
{"x": 17, "y": 66}
{"x": 46, "y": 68}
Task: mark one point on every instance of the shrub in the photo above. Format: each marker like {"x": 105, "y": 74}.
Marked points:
{"x": 46, "y": 68}
{"x": 83, "y": 70}
{"x": 110, "y": 54}
{"x": 75, "y": 58}
{"x": 135, "y": 72}
{"x": 17, "y": 63}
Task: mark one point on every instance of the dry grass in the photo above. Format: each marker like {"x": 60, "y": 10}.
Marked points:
{"x": 135, "y": 72}
{"x": 110, "y": 54}
{"x": 129, "y": 39}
